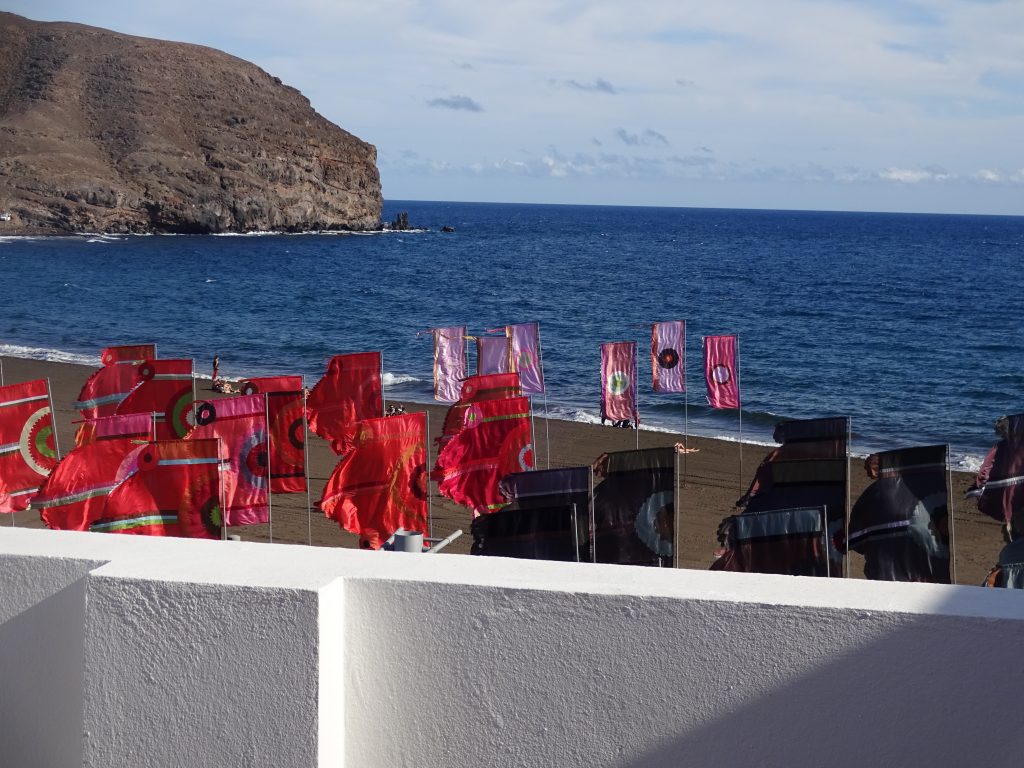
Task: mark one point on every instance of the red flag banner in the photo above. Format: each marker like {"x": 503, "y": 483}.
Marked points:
{"x": 349, "y": 391}
{"x": 495, "y": 386}
{"x": 668, "y": 356}
{"x": 494, "y": 441}
{"x": 163, "y": 388}
{"x": 74, "y": 495}
{"x": 524, "y": 355}
{"x": 269, "y": 384}
{"x": 129, "y": 353}
{"x": 241, "y": 424}
{"x": 134, "y": 425}
{"x": 721, "y": 366}
{"x": 111, "y": 384}
{"x": 287, "y": 442}
{"x": 174, "y": 492}
{"x": 28, "y": 448}
{"x": 492, "y": 355}
{"x": 449, "y": 362}
{"x": 380, "y": 483}
{"x": 618, "y": 382}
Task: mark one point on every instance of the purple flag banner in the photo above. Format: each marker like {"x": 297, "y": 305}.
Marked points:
{"x": 524, "y": 340}
{"x": 618, "y": 382}
{"x": 668, "y": 356}
{"x": 492, "y": 353}
{"x": 449, "y": 362}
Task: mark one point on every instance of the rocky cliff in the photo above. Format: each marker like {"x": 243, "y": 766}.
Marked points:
{"x": 103, "y": 132}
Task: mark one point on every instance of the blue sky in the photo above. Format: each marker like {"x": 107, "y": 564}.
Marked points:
{"x": 887, "y": 105}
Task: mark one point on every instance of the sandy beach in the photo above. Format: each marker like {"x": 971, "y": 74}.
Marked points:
{"x": 711, "y": 481}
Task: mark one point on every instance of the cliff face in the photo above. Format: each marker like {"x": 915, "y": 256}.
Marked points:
{"x": 103, "y": 132}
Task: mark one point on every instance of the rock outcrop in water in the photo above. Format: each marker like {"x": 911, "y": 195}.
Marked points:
{"x": 104, "y": 132}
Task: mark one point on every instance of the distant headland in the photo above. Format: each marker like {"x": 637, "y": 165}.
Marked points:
{"x": 104, "y": 132}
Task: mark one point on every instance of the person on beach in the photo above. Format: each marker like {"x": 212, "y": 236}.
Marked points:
{"x": 216, "y": 367}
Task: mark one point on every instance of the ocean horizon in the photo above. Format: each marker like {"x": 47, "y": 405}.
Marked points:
{"x": 907, "y": 323}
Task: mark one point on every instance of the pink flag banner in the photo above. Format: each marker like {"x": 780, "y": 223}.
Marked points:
{"x": 449, "y": 362}
{"x": 241, "y": 425}
{"x": 492, "y": 355}
{"x": 721, "y": 365}
{"x": 668, "y": 356}
{"x": 524, "y": 354}
{"x": 618, "y": 382}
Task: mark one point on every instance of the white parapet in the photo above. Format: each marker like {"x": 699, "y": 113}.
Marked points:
{"x": 127, "y": 651}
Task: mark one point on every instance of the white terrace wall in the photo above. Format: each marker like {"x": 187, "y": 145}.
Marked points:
{"x": 122, "y": 651}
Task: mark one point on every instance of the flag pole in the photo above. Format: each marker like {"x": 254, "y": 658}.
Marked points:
{"x": 305, "y": 463}
{"x": 2, "y": 372}
{"x": 849, "y": 495}
{"x": 739, "y": 397}
{"x": 383, "y": 400}
{"x": 53, "y": 419}
{"x": 675, "y": 511}
{"x": 547, "y": 425}
{"x": 270, "y": 472}
{"x": 686, "y": 408}
{"x": 220, "y": 490}
{"x": 593, "y": 524}
{"x": 533, "y": 435}
{"x": 949, "y": 517}
{"x": 430, "y": 494}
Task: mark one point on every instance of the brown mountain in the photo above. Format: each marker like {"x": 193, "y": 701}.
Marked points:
{"x": 104, "y": 132}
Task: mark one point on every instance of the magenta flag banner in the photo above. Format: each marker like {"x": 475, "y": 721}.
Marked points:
{"x": 449, "y": 362}
{"x": 492, "y": 353}
{"x": 721, "y": 363}
{"x": 618, "y": 382}
{"x": 524, "y": 353}
{"x": 668, "y": 356}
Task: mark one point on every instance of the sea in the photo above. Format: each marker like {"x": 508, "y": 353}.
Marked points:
{"x": 910, "y": 324}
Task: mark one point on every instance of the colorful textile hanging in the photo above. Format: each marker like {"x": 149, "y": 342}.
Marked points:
{"x": 492, "y": 355}
{"x": 28, "y": 447}
{"x": 618, "y": 382}
{"x": 271, "y": 384}
{"x": 720, "y": 371}
{"x": 449, "y": 362}
{"x": 165, "y": 389}
{"x": 901, "y": 521}
{"x": 380, "y": 483}
{"x": 493, "y": 441}
{"x": 174, "y": 492}
{"x": 634, "y": 507}
{"x": 287, "y": 442}
{"x": 999, "y": 486}
{"x": 74, "y": 495}
{"x": 129, "y": 353}
{"x": 668, "y": 356}
{"x": 495, "y": 386}
{"x": 790, "y": 542}
{"x": 524, "y": 356}
{"x": 349, "y": 391}
{"x": 132, "y": 425}
{"x": 241, "y": 424}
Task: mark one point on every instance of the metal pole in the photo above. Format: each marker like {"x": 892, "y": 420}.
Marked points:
{"x": 739, "y": 393}
{"x": 675, "y": 514}
{"x": 547, "y": 427}
{"x": 533, "y": 435}
{"x": 270, "y": 472}
{"x": 53, "y": 419}
{"x": 593, "y": 522}
{"x": 383, "y": 400}
{"x": 949, "y": 517}
{"x": 2, "y": 372}
{"x": 430, "y": 493}
{"x": 305, "y": 465}
{"x": 576, "y": 532}
{"x": 828, "y": 543}
{"x": 220, "y": 490}
{"x": 849, "y": 494}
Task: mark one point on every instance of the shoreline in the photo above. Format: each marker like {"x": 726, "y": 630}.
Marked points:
{"x": 711, "y": 480}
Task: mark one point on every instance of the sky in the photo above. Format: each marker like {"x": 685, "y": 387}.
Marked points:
{"x": 873, "y": 105}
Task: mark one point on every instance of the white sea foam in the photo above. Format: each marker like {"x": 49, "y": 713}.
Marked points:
{"x": 50, "y": 355}
{"x": 394, "y": 379}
